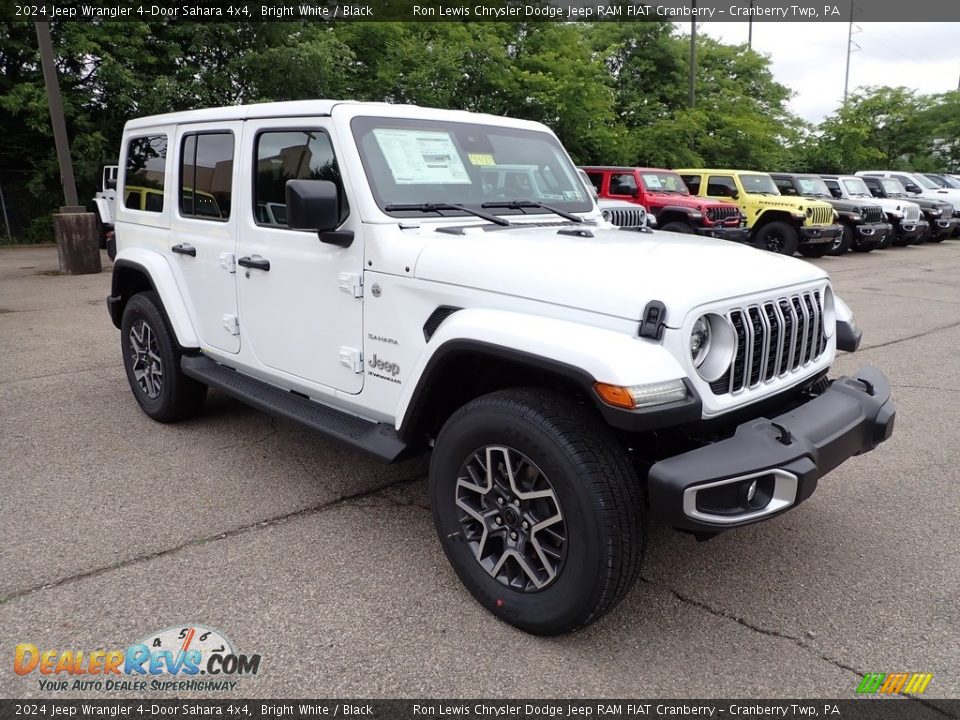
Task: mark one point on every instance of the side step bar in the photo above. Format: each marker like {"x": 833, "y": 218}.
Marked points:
{"x": 377, "y": 439}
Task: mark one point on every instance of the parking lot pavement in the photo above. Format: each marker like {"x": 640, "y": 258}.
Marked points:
{"x": 326, "y": 563}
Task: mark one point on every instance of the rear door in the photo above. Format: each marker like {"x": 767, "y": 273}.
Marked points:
{"x": 204, "y": 229}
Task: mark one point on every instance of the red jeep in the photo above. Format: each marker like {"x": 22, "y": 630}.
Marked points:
{"x": 665, "y": 196}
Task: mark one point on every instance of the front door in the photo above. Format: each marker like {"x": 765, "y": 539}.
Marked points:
{"x": 300, "y": 310}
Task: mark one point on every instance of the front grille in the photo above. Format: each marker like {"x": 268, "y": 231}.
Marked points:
{"x": 773, "y": 339}
{"x": 723, "y": 214}
{"x": 872, "y": 214}
{"x": 821, "y": 215}
{"x": 911, "y": 212}
{"x": 625, "y": 217}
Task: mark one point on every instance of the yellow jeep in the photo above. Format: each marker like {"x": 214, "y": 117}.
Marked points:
{"x": 777, "y": 223}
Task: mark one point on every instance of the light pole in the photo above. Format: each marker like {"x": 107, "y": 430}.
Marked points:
{"x": 693, "y": 54}
{"x": 750, "y": 27}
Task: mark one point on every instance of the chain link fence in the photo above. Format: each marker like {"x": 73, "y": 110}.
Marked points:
{"x": 24, "y": 218}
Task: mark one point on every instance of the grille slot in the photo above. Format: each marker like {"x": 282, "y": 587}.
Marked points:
{"x": 872, "y": 214}
{"x": 911, "y": 212}
{"x": 773, "y": 339}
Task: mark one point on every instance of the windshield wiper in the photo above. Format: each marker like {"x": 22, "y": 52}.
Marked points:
{"x": 437, "y": 207}
{"x": 521, "y": 204}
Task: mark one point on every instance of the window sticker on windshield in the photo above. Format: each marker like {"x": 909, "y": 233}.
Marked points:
{"x": 652, "y": 182}
{"x": 421, "y": 157}
{"x": 481, "y": 159}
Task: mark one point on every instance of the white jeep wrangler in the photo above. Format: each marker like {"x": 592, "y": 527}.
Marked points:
{"x": 571, "y": 379}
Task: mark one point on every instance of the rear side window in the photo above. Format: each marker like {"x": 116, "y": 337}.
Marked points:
{"x": 692, "y": 182}
{"x": 145, "y": 173}
{"x": 721, "y": 186}
{"x": 206, "y": 175}
{"x": 291, "y": 155}
{"x": 623, "y": 184}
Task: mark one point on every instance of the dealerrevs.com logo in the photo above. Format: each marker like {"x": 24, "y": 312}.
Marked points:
{"x": 181, "y": 658}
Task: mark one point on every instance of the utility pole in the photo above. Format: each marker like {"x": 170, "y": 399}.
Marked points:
{"x": 56, "y": 115}
{"x": 74, "y": 228}
{"x": 693, "y": 55}
{"x": 750, "y": 27}
{"x": 850, "y": 44}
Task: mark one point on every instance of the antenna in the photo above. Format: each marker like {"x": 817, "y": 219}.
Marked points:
{"x": 852, "y": 47}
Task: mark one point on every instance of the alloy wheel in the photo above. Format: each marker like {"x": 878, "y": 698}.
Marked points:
{"x": 511, "y": 518}
{"x": 145, "y": 355}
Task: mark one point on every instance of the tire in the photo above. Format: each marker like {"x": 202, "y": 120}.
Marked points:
{"x": 842, "y": 243}
{"x": 815, "y": 251}
{"x": 148, "y": 345}
{"x": 101, "y": 232}
{"x": 594, "y": 549}
{"x": 678, "y": 226}
{"x": 777, "y": 236}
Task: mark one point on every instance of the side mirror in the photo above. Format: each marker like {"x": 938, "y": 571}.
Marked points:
{"x": 911, "y": 188}
{"x": 636, "y": 193}
{"x": 315, "y": 205}
{"x": 735, "y": 195}
{"x": 110, "y": 184}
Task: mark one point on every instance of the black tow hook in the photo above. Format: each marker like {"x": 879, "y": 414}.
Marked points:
{"x": 784, "y": 438}
{"x": 868, "y": 386}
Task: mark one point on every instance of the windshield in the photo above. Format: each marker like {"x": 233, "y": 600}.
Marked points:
{"x": 856, "y": 186}
{"x": 812, "y": 185}
{"x": 926, "y": 182}
{"x": 758, "y": 184}
{"x": 892, "y": 185}
{"x": 431, "y": 161}
{"x": 663, "y": 182}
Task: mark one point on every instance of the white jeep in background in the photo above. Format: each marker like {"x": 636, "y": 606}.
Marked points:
{"x": 571, "y": 380}
{"x": 104, "y": 201}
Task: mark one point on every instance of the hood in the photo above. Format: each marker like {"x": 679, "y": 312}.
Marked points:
{"x": 888, "y": 204}
{"x": 689, "y": 201}
{"x": 615, "y": 273}
{"x": 786, "y": 202}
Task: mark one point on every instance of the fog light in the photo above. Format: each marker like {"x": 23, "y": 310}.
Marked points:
{"x": 751, "y": 491}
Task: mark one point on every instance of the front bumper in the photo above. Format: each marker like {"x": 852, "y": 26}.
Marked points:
{"x": 945, "y": 227}
{"x": 706, "y": 490}
{"x": 873, "y": 232}
{"x": 734, "y": 234}
{"x": 816, "y": 234}
{"x": 909, "y": 230}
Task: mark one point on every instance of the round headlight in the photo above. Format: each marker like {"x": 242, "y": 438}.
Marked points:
{"x": 700, "y": 340}
{"x": 712, "y": 342}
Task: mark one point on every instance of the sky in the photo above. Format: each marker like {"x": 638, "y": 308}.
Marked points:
{"x": 810, "y": 58}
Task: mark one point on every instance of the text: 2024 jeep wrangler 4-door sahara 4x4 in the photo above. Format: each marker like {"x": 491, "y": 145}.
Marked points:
{"x": 571, "y": 379}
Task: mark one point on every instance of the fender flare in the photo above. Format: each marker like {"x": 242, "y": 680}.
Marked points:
{"x": 583, "y": 354}
{"x": 159, "y": 274}
{"x": 102, "y": 206}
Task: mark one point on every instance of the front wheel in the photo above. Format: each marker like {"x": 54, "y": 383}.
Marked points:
{"x": 815, "y": 251}
{"x": 777, "y": 236}
{"x": 678, "y": 226}
{"x": 842, "y": 242}
{"x": 151, "y": 358}
{"x": 538, "y": 508}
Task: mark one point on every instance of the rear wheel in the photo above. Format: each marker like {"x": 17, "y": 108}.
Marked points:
{"x": 151, "y": 358}
{"x": 678, "y": 226}
{"x": 538, "y": 509}
{"x": 777, "y": 236}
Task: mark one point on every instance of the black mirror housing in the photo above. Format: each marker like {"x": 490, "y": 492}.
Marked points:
{"x": 315, "y": 205}
{"x": 110, "y": 184}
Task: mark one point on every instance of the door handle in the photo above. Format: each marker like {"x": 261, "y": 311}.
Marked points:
{"x": 254, "y": 261}
{"x": 182, "y": 249}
